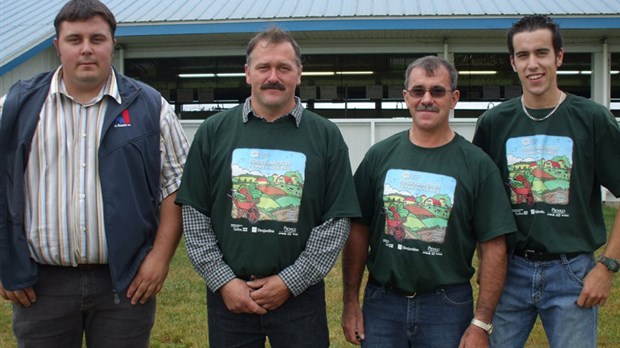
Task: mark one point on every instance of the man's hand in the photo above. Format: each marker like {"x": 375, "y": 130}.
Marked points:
{"x": 154, "y": 268}
{"x": 596, "y": 287}
{"x": 352, "y": 322}
{"x": 269, "y": 292}
{"x": 149, "y": 280}
{"x": 236, "y": 296}
{"x": 474, "y": 337}
{"x": 24, "y": 297}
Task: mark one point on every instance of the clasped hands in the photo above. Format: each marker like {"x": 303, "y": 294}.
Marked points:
{"x": 256, "y": 296}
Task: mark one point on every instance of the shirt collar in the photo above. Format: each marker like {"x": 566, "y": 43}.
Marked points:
{"x": 110, "y": 87}
{"x": 296, "y": 113}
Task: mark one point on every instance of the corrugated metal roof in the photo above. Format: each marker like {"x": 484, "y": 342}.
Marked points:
{"x": 196, "y": 10}
{"x": 26, "y": 25}
{"x": 191, "y": 10}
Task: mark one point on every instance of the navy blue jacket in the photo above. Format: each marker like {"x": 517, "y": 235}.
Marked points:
{"x": 129, "y": 170}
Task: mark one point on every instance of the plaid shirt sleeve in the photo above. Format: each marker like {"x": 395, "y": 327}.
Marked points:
{"x": 322, "y": 249}
{"x": 203, "y": 251}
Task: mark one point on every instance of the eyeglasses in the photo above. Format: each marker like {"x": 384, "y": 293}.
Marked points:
{"x": 435, "y": 91}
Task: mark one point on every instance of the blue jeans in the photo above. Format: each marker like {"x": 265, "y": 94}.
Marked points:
{"x": 436, "y": 319}
{"x": 548, "y": 289}
{"x": 76, "y": 302}
{"x": 300, "y": 322}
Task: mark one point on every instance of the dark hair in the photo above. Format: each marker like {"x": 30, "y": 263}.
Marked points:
{"x": 82, "y": 10}
{"x": 532, "y": 23}
{"x": 273, "y": 35}
{"x": 431, "y": 64}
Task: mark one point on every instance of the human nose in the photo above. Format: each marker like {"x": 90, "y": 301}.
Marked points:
{"x": 86, "y": 48}
{"x": 273, "y": 75}
{"x": 427, "y": 98}
{"x": 532, "y": 62}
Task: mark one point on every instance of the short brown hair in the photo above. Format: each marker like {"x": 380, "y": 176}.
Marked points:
{"x": 532, "y": 23}
{"x": 273, "y": 35}
{"x": 82, "y": 10}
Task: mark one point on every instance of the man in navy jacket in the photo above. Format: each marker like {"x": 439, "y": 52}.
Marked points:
{"x": 91, "y": 161}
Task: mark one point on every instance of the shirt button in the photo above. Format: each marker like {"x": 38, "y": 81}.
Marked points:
{"x": 83, "y": 165}
{"x": 82, "y": 196}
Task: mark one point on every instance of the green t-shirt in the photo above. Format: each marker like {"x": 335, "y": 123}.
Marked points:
{"x": 553, "y": 171}
{"x": 266, "y": 185}
{"x": 427, "y": 208}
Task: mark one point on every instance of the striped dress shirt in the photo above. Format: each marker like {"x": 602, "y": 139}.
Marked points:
{"x": 64, "y": 219}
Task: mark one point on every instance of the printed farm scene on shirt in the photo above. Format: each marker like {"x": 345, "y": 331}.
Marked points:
{"x": 267, "y": 184}
{"x": 539, "y": 169}
{"x": 417, "y": 205}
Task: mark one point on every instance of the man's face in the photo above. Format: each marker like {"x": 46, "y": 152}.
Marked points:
{"x": 535, "y": 61}
{"x": 430, "y": 113}
{"x": 273, "y": 75}
{"x": 85, "y": 49}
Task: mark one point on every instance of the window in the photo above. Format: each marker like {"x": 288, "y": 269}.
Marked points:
{"x": 350, "y": 85}
{"x": 485, "y": 79}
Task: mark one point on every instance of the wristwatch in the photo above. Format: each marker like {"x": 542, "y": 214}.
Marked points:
{"x": 488, "y": 328}
{"x": 611, "y": 264}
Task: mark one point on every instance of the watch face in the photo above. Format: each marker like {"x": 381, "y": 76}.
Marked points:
{"x": 613, "y": 265}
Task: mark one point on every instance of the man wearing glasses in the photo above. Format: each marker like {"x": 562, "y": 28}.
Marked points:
{"x": 428, "y": 197}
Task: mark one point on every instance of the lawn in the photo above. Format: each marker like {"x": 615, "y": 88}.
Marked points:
{"x": 181, "y": 313}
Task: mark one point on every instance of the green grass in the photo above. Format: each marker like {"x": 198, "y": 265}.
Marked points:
{"x": 181, "y": 310}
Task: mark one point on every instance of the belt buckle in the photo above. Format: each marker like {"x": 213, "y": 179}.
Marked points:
{"x": 527, "y": 253}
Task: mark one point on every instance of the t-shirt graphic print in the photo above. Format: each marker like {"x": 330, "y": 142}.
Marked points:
{"x": 539, "y": 169}
{"x": 267, "y": 184}
{"x": 417, "y": 205}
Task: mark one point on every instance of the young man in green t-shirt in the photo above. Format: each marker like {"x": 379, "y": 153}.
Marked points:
{"x": 428, "y": 197}
{"x": 267, "y": 195}
{"x": 554, "y": 151}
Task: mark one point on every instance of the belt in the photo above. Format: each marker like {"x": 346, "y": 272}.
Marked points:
{"x": 532, "y": 255}
{"x": 80, "y": 266}
{"x": 90, "y": 266}
{"x": 391, "y": 288}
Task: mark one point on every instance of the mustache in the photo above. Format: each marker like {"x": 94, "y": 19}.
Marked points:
{"x": 432, "y": 108}
{"x": 273, "y": 85}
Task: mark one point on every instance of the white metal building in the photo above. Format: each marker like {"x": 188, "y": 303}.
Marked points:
{"x": 355, "y": 52}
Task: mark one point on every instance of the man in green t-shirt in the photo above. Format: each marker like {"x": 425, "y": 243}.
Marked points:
{"x": 267, "y": 194}
{"x": 554, "y": 151}
{"x": 428, "y": 197}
